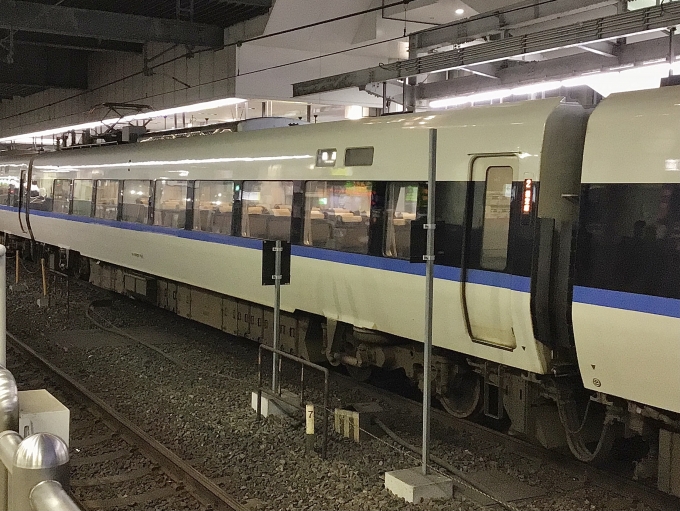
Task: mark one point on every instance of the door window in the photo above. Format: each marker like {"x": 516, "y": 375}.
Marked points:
{"x": 496, "y": 227}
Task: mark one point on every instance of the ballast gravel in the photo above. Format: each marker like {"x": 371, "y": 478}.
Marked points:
{"x": 201, "y": 410}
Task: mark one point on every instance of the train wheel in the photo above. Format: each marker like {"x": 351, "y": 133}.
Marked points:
{"x": 359, "y": 373}
{"x": 464, "y": 396}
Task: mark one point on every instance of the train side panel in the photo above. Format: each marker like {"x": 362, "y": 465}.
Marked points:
{"x": 626, "y": 311}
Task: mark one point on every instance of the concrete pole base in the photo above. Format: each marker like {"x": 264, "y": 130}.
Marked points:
{"x": 273, "y": 404}
{"x": 411, "y": 485}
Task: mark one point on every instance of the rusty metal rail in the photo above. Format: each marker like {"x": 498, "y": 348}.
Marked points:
{"x": 179, "y": 470}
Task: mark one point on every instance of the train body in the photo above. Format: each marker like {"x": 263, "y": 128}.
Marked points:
{"x": 557, "y": 248}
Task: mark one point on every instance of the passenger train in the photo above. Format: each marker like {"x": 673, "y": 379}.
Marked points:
{"x": 557, "y": 270}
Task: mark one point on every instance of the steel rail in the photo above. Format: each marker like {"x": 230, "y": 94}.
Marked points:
{"x": 179, "y": 470}
{"x": 593, "y": 475}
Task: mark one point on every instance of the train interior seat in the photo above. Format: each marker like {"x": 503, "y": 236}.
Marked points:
{"x": 278, "y": 227}
{"x": 257, "y": 222}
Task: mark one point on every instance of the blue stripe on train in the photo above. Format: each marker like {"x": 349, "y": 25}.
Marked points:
{"x": 614, "y": 299}
{"x": 628, "y": 301}
{"x": 488, "y": 278}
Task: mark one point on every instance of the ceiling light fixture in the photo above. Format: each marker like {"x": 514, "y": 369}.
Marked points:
{"x": 460, "y": 11}
{"x": 604, "y": 83}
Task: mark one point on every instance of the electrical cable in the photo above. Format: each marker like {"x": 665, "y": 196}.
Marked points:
{"x": 460, "y": 476}
{"x": 258, "y": 38}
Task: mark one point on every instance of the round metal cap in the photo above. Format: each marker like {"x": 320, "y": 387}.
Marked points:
{"x": 42, "y": 450}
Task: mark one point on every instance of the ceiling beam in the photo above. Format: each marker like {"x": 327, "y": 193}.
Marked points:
{"x": 496, "y": 21}
{"x": 586, "y": 32}
{"x": 69, "y": 21}
{"x": 520, "y": 73}
{"x": 75, "y": 43}
{"x": 46, "y": 67}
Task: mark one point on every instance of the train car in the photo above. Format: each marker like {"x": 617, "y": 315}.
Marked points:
{"x": 180, "y": 223}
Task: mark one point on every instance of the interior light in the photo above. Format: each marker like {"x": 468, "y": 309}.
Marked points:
{"x": 459, "y": 11}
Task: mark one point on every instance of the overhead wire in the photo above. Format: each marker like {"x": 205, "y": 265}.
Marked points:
{"x": 266, "y": 36}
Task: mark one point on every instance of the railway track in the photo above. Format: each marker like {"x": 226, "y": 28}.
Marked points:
{"x": 599, "y": 477}
{"x": 478, "y": 436}
{"x": 128, "y": 467}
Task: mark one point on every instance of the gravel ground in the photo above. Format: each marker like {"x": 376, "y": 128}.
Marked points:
{"x": 201, "y": 410}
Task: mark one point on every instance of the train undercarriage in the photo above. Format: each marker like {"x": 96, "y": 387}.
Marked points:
{"x": 553, "y": 411}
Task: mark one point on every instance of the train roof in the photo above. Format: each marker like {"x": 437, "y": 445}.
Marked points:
{"x": 400, "y": 142}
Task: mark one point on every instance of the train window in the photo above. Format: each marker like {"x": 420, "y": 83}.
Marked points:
{"x": 337, "y": 215}
{"x": 629, "y": 239}
{"x": 170, "y": 209}
{"x": 402, "y": 207}
{"x": 326, "y": 157}
{"x": 266, "y": 209}
{"x": 62, "y": 195}
{"x": 6, "y": 187}
{"x": 496, "y": 227}
{"x": 106, "y": 201}
{"x": 213, "y": 201}
{"x": 82, "y": 197}
{"x": 136, "y": 201}
{"x": 41, "y": 194}
{"x": 9, "y": 183}
{"x": 358, "y": 156}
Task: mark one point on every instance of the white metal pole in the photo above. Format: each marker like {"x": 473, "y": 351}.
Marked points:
{"x": 429, "y": 281}
{"x": 278, "y": 249}
{"x": 3, "y": 306}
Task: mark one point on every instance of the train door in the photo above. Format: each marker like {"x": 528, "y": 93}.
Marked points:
{"x": 486, "y": 281}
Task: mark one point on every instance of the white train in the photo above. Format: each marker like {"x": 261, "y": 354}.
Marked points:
{"x": 557, "y": 288}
